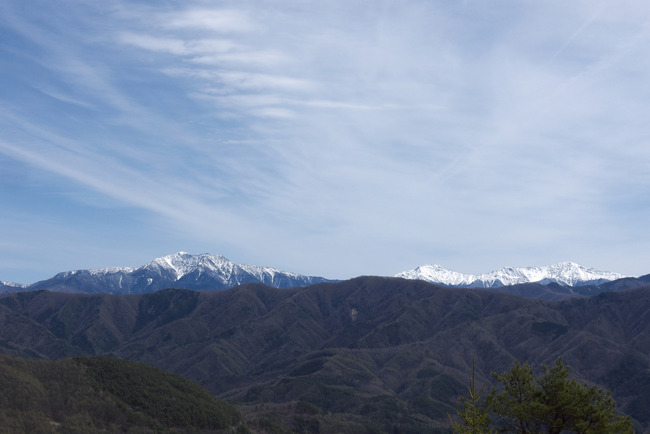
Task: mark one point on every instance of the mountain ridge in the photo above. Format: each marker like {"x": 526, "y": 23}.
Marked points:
{"x": 562, "y": 273}
{"x": 374, "y": 350}
{"x": 179, "y": 270}
{"x": 207, "y": 271}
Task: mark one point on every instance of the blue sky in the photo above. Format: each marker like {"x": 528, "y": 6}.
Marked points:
{"x": 332, "y": 138}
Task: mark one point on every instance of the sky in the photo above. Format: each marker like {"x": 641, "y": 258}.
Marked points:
{"x": 332, "y": 138}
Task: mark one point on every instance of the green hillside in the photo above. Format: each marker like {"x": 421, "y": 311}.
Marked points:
{"x": 100, "y": 394}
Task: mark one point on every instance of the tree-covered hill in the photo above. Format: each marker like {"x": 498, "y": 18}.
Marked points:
{"x": 101, "y": 394}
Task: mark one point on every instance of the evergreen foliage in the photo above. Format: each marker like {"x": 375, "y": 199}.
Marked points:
{"x": 160, "y": 395}
{"x": 104, "y": 395}
{"x": 553, "y": 403}
{"x": 473, "y": 414}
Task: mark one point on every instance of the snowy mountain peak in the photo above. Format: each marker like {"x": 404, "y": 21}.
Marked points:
{"x": 437, "y": 274}
{"x": 182, "y": 263}
{"x": 12, "y": 284}
{"x": 563, "y": 273}
{"x": 179, "y": 270}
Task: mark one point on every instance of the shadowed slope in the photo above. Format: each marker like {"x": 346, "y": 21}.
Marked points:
{"x": 104, "y": 395}
{"x": 373, "y": 350}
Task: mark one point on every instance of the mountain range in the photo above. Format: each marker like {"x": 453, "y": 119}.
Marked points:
{"x": 563, "y": 273}
{"x": 179, "y": 270}
{"x": 296, "y": 353}
{"x": 366, "y": 355}
{"x": 215, "y": 272}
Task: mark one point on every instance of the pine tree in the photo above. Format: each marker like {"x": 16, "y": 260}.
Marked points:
{"x": 515, "y": 405}
{"x": 553, "y": 403}
{"x": 473, "y": 414}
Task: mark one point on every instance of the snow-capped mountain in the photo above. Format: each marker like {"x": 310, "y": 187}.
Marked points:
{"x": 3, "y": 283}
{"x": 6, "y": 287}
{"x": 179, "y": 270}
{"x": 215, "y": 272}
{"x": 563, "y": 273}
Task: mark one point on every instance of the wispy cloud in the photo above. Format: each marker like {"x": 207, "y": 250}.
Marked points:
{"x": 216, "y": 20}
{"x": 175, "y": 46}
{"x": 352, "y": 139}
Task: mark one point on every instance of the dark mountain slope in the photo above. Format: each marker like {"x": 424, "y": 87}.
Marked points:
{"x": 77, "y": 324}
{"x": 625, "y": 284}
{"x": 104, "y": 395}
{"x": 372, "y": 350}
{"x": 538, "y": 291}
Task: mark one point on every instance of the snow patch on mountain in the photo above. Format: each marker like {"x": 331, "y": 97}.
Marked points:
{"x": 12, "y": 284}
{"x": 110, "y": 270}
{"x": 182, "y": 263}
{"x": 179, "y": 270}
{"x": 563, "y": 273}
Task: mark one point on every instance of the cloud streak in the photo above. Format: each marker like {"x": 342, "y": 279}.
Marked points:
{"x": 338, "y": 139}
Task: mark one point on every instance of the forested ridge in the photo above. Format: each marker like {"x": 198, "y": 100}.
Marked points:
{"x": 374, "y": 354}
{"x": 101, "y": 394}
